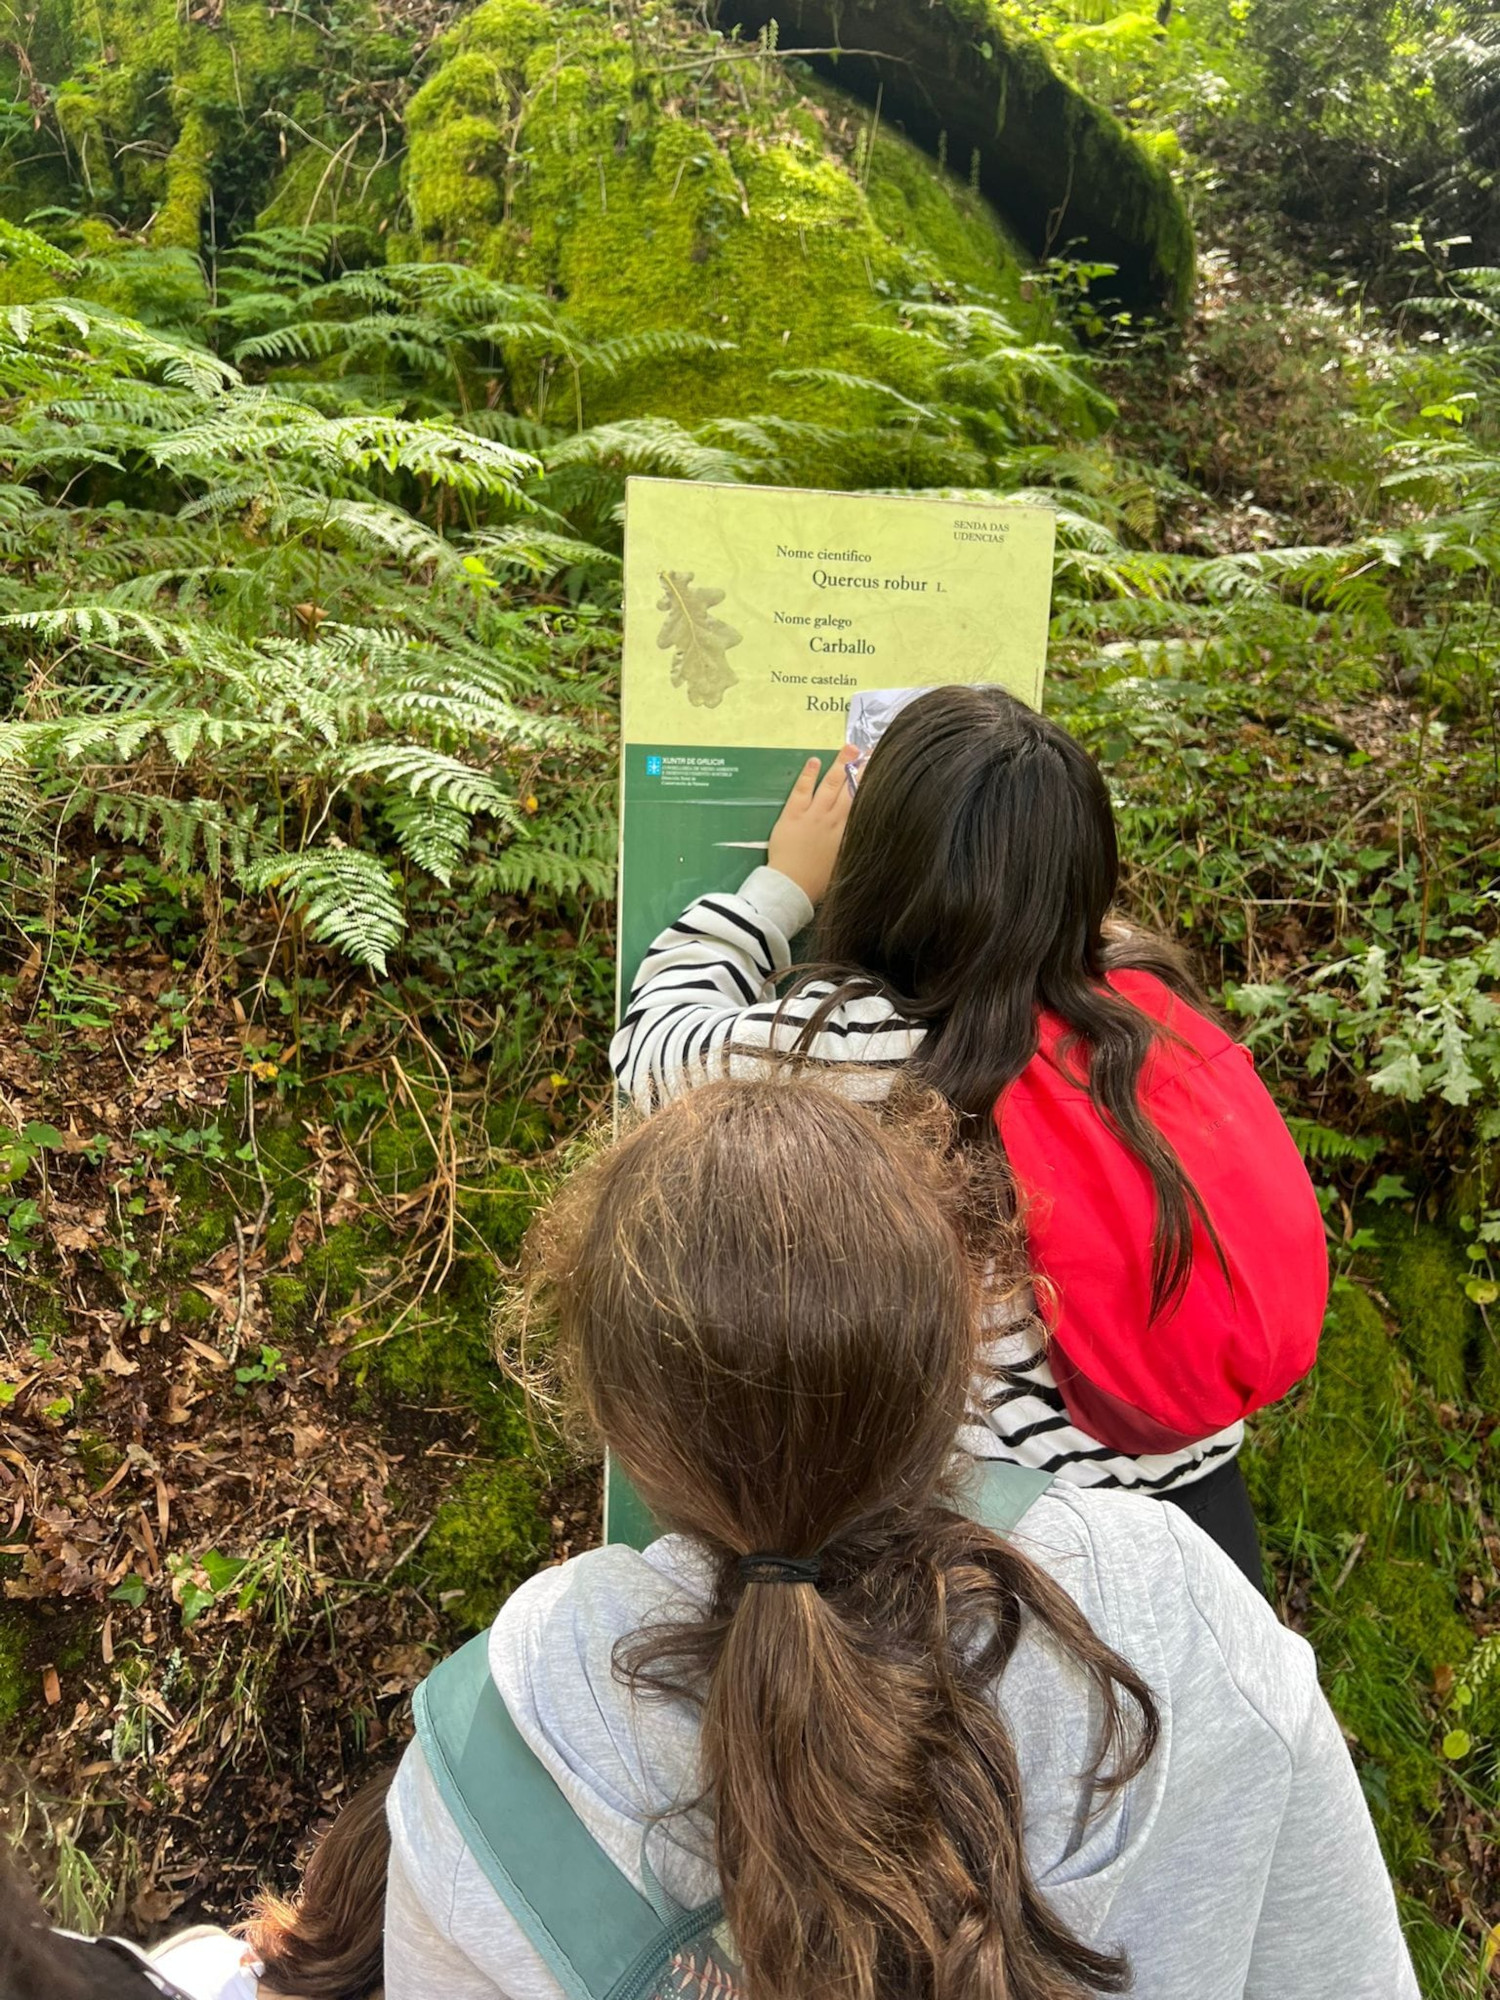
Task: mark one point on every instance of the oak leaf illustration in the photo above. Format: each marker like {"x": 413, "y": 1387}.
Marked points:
{"x": 698, "y": 639}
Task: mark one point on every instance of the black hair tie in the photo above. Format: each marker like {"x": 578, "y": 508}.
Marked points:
{"x": 764, "y": 1567}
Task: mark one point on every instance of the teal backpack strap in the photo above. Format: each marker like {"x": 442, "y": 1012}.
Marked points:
{"x": 586, "y": 1919}
{"x": 600, "y": 1937}
{"x": 996, "y": 1492}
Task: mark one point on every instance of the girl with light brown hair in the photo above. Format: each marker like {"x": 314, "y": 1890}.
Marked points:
{"x": 912, "y": 1755}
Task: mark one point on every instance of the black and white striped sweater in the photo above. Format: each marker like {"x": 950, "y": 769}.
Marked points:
{"x": 703, "y": 1003}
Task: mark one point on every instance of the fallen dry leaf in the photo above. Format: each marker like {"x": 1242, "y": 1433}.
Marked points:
{"x": 210, "y": 1354}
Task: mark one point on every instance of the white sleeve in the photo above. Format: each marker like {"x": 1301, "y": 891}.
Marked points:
{"x": 208, "y": 1963}
{"x": 1328, "y": 1922}
{"x": 703, "y": 1003}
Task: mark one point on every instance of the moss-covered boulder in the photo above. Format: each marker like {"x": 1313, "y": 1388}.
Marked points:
{"x": 655, "y": 172}
{"x": 668, "y": 186}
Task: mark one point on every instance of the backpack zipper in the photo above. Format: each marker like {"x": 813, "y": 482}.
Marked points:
{"x": 637, "y": 1980}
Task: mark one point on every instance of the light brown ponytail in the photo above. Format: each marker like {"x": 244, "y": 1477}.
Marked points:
{"x": 764, "y": 1301}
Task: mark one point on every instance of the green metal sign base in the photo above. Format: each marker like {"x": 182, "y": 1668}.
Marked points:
{"x": 625, "y": 1516}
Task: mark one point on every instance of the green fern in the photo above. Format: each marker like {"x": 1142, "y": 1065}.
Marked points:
{"x": 345, "y": 897}
{"x": 1328, "y": 1146}
{"x": 572, "y": 850}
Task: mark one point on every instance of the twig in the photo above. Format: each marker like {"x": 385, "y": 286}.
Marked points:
{"x": 757, "y": 53}
{"x": 1350, "y": 1560}
{"x": 242, "y": 1254}
{"x": 412, "y": 1546}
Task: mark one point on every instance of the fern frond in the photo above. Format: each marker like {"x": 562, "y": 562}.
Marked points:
{"x": 608, "y": 357}
{"x": 571, "y": 852}
{"x": 539, "y": 552}
{"x": 345, "y": 896}
{"x": 264, "y": 425}
{"x": 644, "y": 445}
{"x": 862, "y": 385}
{"x": 419, "y": 770}
{"x": 24, "y": 246}
{"x": 1323, "y": 1143}
{"x": 431, "y": 833}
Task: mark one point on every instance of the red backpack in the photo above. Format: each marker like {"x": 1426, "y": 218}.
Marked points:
{"x": 1230, "y": 1343}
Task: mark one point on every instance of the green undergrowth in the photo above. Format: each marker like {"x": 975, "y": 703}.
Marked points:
{"x": 415, "y": 1342}
{"x": 1376, "y": 1485}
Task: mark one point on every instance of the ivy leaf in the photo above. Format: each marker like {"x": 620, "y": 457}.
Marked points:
{"x": 221, "y": 1571}
{"x": 130, "y": 1590}
{"x": 193, "y": 1602}
{"x": 1390, "y": 1187}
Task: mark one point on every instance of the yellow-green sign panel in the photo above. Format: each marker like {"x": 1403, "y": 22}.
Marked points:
{"x": 752, "y": 613}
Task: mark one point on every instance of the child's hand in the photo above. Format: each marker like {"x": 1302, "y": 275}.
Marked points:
{"x": 805, "y": 840}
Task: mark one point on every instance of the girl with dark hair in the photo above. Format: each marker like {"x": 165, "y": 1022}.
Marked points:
{"x": 915, "y": 1758}
{"x": 966, "y": 940}
{"x": 327, "y": 1944}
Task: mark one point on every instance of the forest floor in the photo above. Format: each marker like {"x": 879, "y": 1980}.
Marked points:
{"x": 223, "y": 1703}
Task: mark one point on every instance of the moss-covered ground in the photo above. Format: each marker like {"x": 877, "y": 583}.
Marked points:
{"x": 1378, "y": 1487}
{"x": 294, "y": 1232}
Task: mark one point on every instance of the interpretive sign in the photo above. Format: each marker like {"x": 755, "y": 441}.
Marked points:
{"x": 753, "y": 616}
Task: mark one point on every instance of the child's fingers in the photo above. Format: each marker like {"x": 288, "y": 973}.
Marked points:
{"x": 834, "y": 790}
{"x": 805, "y": 789}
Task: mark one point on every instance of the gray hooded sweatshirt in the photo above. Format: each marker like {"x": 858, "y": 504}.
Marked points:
{"x": 1240, "y": 1865}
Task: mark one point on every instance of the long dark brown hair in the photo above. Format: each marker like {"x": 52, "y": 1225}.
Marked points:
{"x": 766, "y": 1308}
{"x": 973, "y": 888}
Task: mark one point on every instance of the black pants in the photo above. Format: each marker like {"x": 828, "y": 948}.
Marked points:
{"x": 1220, "y": 1505}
